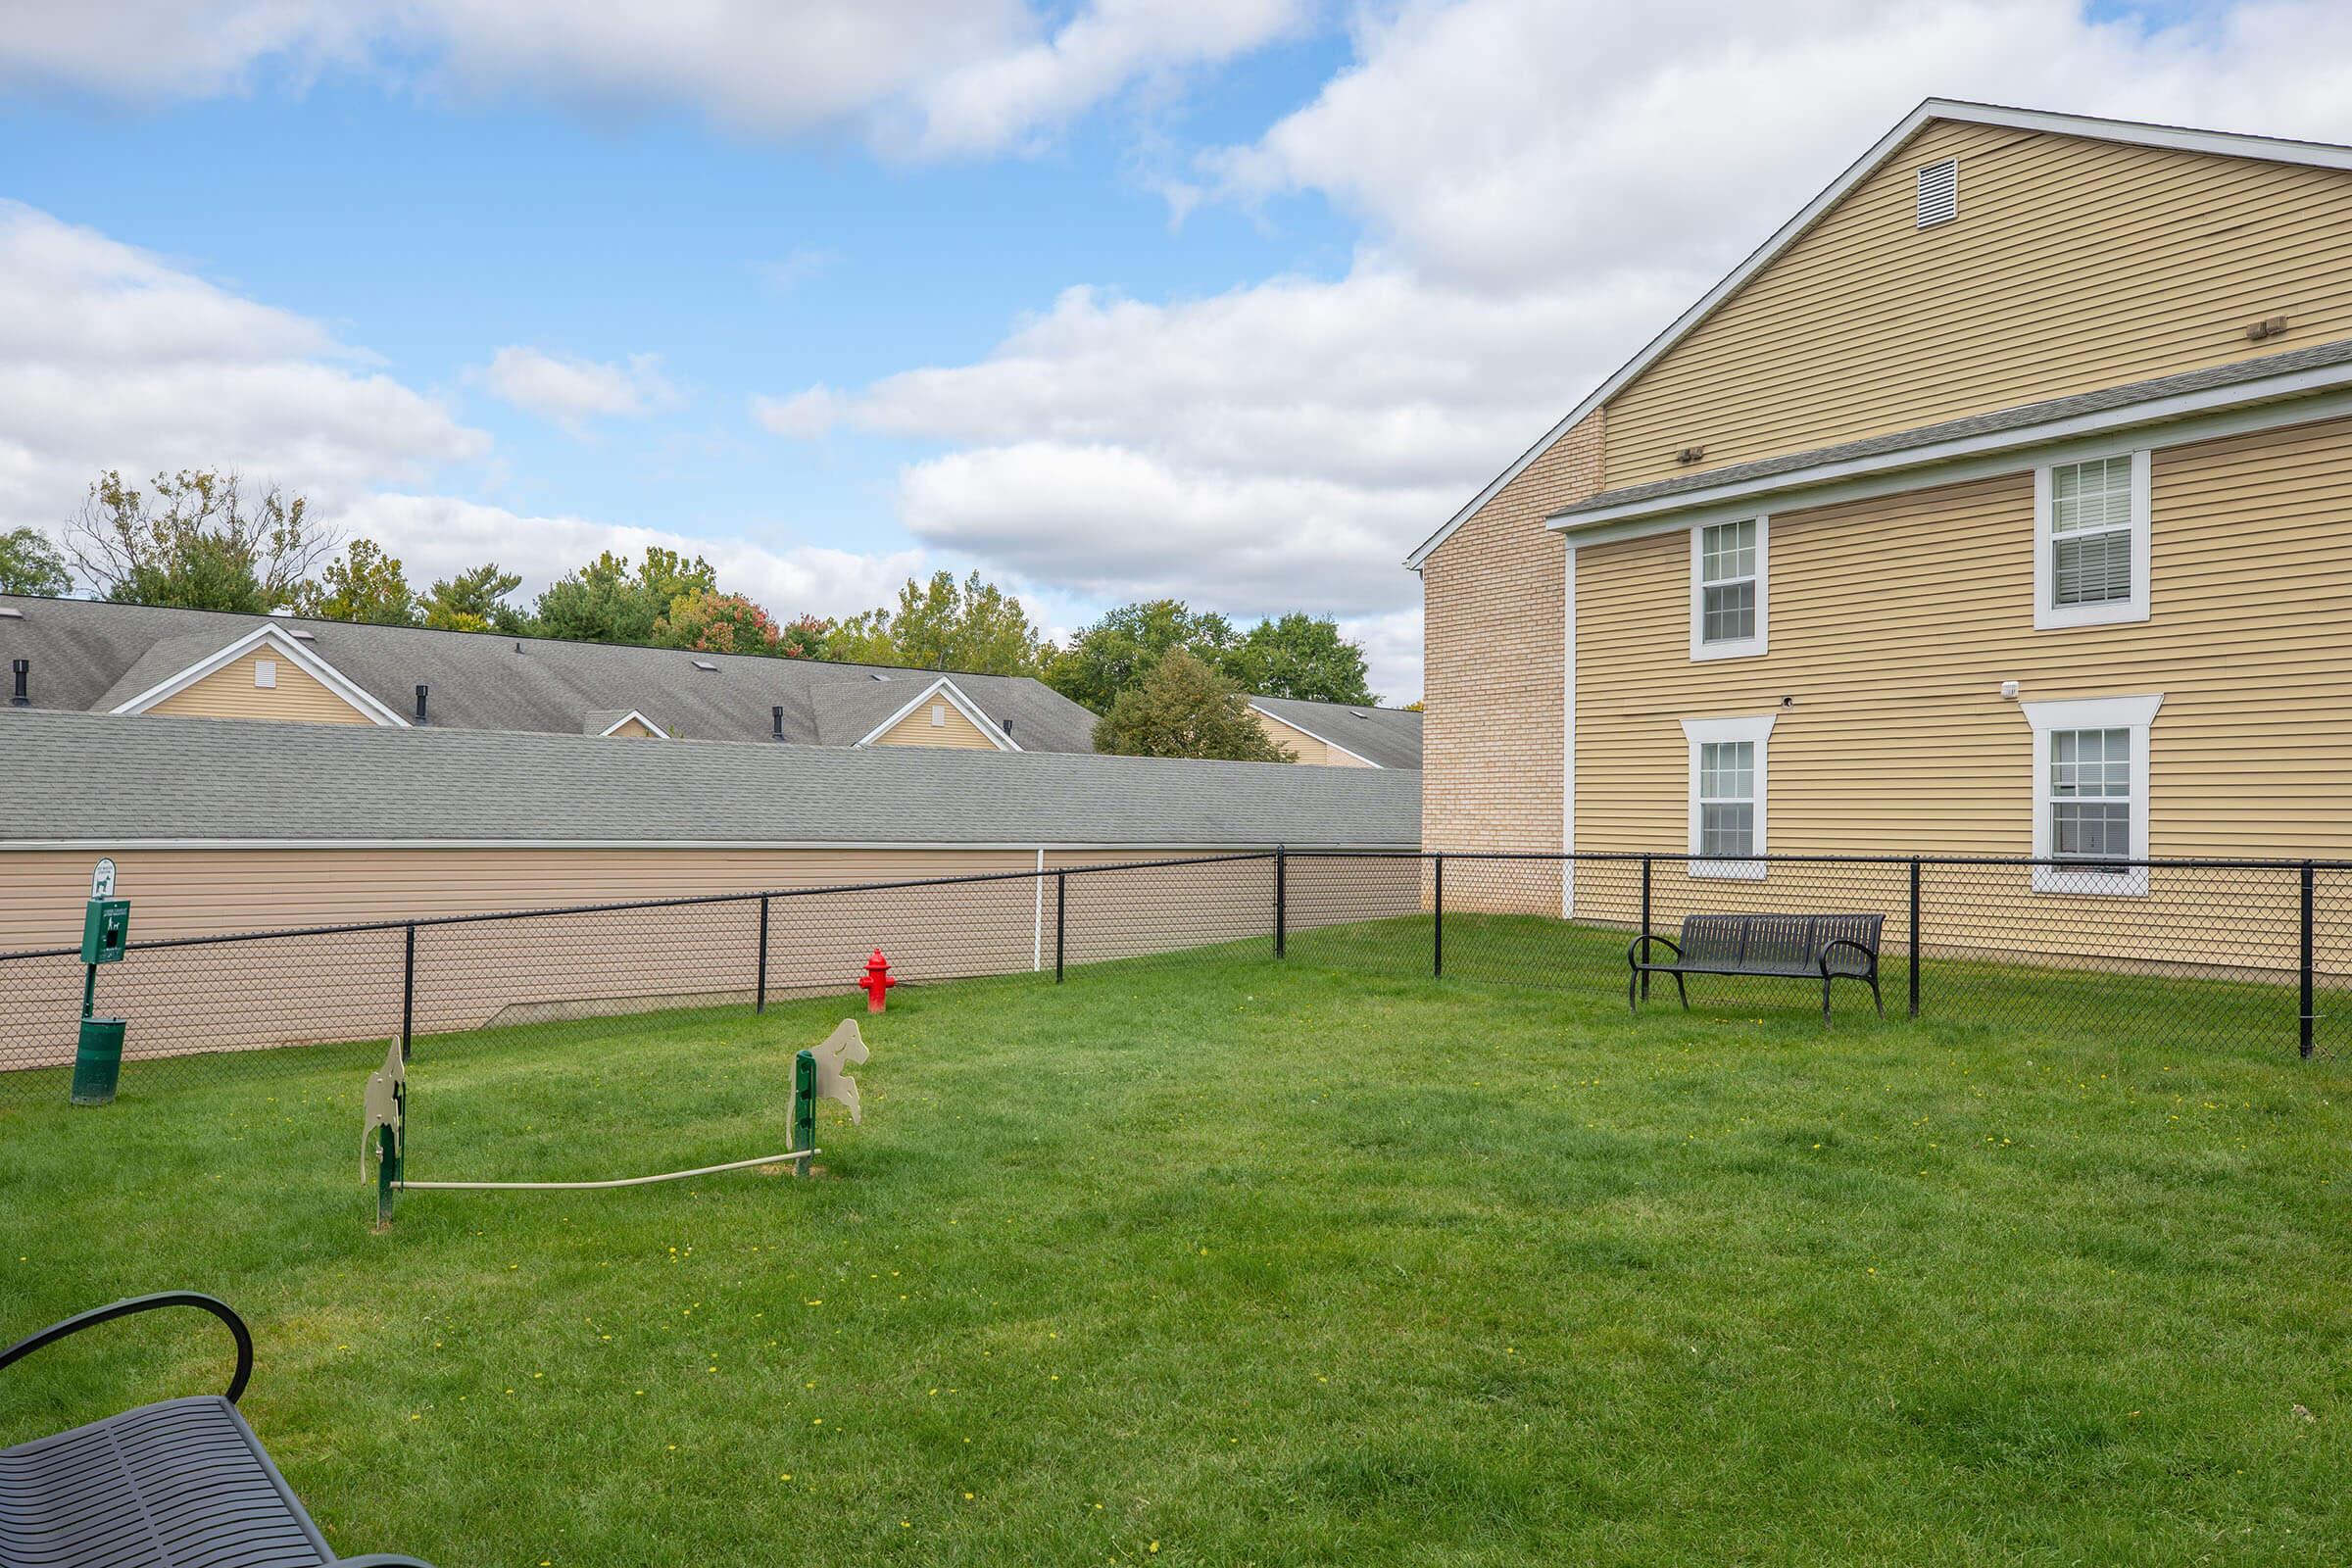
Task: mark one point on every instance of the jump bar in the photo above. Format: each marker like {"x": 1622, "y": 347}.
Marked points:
{"x": 581, "y": 1187}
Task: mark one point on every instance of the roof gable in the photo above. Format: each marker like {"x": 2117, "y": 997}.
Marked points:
{"x": 2223, "y": 143}
{"x": 277, "y": 640}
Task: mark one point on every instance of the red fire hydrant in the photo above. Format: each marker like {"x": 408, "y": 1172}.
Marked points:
{"x": 877, "y": 981}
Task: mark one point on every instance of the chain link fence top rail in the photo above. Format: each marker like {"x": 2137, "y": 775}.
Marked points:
{"x": 2245, "y": 951}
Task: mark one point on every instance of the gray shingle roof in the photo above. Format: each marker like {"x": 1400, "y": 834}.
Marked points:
{"x": 200, "y": 779}
{"x": 92, "y": 657}
{"x": 2319, "y": 356}
{"x": 1385, "y": 737}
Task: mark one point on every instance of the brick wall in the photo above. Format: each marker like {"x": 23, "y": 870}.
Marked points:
{"x": 1493, "y": 624}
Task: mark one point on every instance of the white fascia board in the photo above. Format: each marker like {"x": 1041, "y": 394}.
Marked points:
{"x": 639, "y": 716}
{"x": 2301, "y": 397}
{"x": 2320, "y": 155}
{"x": 1291, "y": 723}
{"x": 279, "y": 642}
{"x": 962, "y": 704}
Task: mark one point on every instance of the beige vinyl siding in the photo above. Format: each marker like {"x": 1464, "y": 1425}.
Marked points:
{"x": 1306, "y": 748}
{"x": 229, "y": 692}
{"x": 953, "y": 729}
{"x": 2074, "y": 264}
{"x": 1895, "y": 620}
{"x": 632, "y": 729}
{"x": 347, "y": 986}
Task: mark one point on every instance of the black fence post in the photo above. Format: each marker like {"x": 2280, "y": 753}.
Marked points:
{"x": 1281, "y": 871}
{"x": 760, "y": 1004}
{"x": 1645, "y": 919}
{"x": 408, "y": 992}
{"x": 1915, "y": 936}
{"x": 1061, "y": 908}
{"x": 2308, "y": 889}
{"x": 1437, "y": 922}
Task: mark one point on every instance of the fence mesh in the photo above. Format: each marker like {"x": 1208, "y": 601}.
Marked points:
{"x": 2220, "y": 951}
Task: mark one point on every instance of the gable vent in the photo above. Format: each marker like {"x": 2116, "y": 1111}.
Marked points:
{"x": 1940, "y": 193}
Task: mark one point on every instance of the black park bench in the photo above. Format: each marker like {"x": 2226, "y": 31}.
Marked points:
{"x": 181, "y": 1484}
{"x": 1793, "y": 947}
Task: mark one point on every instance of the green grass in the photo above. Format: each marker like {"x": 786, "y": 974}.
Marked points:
{"x": 1265, "y": 1263}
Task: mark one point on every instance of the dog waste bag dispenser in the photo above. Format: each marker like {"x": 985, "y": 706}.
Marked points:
{"x": 105, "y": 933}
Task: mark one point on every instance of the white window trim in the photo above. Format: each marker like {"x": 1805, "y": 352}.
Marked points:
{"x": 2051, "y": 617}
{"x": 1698, "y": 733}
{"x": 1744, "y": 647}
{"x": 2134, "y": 714}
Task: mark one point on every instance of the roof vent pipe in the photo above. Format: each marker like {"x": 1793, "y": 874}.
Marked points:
{"x": 18, "y": 699}
{"x": 421, "y": 691}
{"x": 776, "y": 716}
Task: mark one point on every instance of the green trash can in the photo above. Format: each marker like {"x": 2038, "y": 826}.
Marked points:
{"x": 98, "y": 1064}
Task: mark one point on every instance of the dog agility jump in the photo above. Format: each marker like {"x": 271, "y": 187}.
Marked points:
{"x": 821, "y": 1073}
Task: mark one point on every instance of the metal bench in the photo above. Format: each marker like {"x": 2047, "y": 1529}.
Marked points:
{"x": 181, "y": 1483}
{"x": 1794, "y": 946}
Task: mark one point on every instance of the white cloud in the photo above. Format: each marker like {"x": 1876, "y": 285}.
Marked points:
{"x": 804, "y": 416}
{"x": 927, "y": 77}
{"x": 435, "y": 535}
{"x": 570, "y": 391}
{"x": 110, "y": 358}
{"x": 1545, "y": 187}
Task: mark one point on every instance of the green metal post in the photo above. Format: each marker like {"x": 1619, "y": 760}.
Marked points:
{"x": 804, "y": 1106}
{"x": 387, "y": 1174}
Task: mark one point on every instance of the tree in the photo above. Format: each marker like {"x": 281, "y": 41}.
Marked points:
{"x": 941, "y": 624}
{"x": 202, "y": 544}
{"x": 1300, "y": 656}
{"x": 1186, "y": 709}
{"x": 30, "y": 564}
{"x": 803, "y": 637}
{"x": 607, "y": 602}
{"x": 474, "y": 600}
{"x": 716, "y": 624}
{"x": 1114, "y": 653}
{"x": 365, "y": 585}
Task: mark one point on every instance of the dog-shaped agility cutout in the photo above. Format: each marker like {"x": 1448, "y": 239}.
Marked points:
{"x": 843, "y": 1049}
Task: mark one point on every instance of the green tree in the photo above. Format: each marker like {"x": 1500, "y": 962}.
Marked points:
{"x": 201, "y": 543}
{"x": 1184, "y": 709}
{"x": 30, "y": 564}
{"x": 474, "y": 600}
{"x": 1114, "y": 653}
{"x": 941, "y": 624}
{"x": 363, "y": 585}
{"x": 608, "y": 602}
{"x": 715, "y": 624}
{"x": 1299, "y": 656}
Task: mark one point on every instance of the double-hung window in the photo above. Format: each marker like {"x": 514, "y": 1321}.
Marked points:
{"x": 1728, "y": 585}
{"x": 2091, "y": 793}
{"x": 1726, "y": 793}
{"x": 2091, "y": 541}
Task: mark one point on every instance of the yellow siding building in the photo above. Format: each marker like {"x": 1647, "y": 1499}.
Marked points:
{"x": 2000, "y": 504}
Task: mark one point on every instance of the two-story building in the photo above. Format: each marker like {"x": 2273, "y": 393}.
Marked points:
{"x": 1999, "y": 504}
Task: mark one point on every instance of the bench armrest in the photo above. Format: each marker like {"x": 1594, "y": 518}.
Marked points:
{"x": 1863, "y": 948}
{"x": 1638, "y": 953}
{"x": 145, "y": 1303}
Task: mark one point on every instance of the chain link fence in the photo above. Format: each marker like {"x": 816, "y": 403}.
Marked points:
{"x": 2234, "y": 952}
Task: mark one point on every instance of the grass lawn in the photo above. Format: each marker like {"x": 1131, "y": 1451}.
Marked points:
{"x": 1221, "y": 1261}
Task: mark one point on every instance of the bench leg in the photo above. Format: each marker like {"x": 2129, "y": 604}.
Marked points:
{"x": 1874, "y": 993}
{"x": 1680, "y": 992}
{"x": 1824, "y": 998}
{"x": 1631, "y": 982}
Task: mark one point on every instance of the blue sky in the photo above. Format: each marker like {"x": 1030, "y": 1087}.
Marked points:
{"x": 1233, "y": 299}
